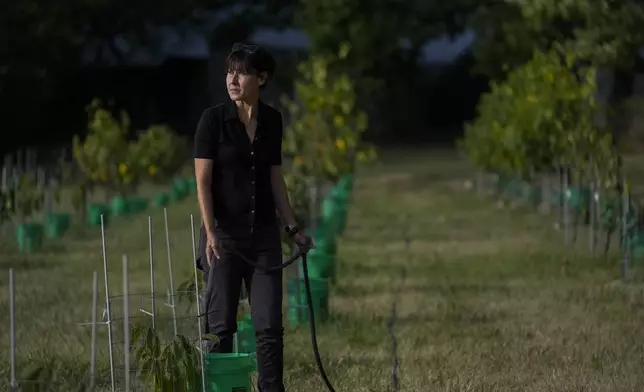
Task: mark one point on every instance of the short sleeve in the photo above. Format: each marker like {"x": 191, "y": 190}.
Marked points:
{"x": 205, "y": 147}
{"x": 276, "y": 146}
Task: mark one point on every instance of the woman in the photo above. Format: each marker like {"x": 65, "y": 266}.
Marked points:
{"x": 238, "y": 157}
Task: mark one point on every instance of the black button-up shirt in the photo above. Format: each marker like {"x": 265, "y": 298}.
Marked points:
{"x": 241, "y": 184}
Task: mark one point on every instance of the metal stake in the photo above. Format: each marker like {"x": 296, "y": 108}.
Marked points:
{"x": 591, "y": 212}
{"x": 561, "y": 194}
{"x": 126, "y": 325}
{"x": 107, "y": 305}
{"x": 566, "y": 197}
{"x": 626, "y": 246}
{"x": 194, "y": 257}
{"x": 172, "y": 293}
{"x": 154, "y": 309}
{"x": 12, "y": 330}
{"x": 92, "y": 362}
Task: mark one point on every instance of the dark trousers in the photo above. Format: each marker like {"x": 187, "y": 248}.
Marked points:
{"x": 223, "y": 288}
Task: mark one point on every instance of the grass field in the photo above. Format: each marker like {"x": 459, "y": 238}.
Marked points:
{"x": 491, "y": 301}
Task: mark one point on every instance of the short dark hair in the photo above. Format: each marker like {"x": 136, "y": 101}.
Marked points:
{"x": 251, "y": 59}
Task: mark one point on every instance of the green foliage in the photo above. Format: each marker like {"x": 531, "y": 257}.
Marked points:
{"x": 28, "y": 198}
{"x": 102, "y": 156}
{"x": 604, "y": 32}
{"x": 503, "y": 40}
{"x": 539, "y": 118}
{"x": 373, "y": 33}
{"x": 186, "y": 290}
{"x": 380, "y": 33}
{"x": 324, "y": 135}
{"x": 109, "y": 160}
{"x": 326, "y": 121}
{"x": 171, "y": 367}
{"x": 298, "y": 187}
{"x": 608, "y": 32}
{"x": 387, "y": 39}
{"x": 160, "y": 153}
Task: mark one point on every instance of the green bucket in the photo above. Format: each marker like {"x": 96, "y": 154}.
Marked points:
{"x": 94, "y": 212}
{"x": 334, "y": 215}
{"x": 120, "y": 206}
{"x": 298, "y": 312}
{"x": 324, "y": 238}
{"x": 136, "y": 205}
{"x": 340, "y": 195}
{"x": 29, "y": 236}
{"x": 335, "y": 208}
{"x": 327, "y": 207}
{"x": 634, "y": 240}
{"x": 229, "y": 372}
{"x": 530, "y": 194}
{"x": 345, "y": 182}
{"x": 57, "y": 224}
{"x": 638, "y": 250}
{"x": 161, "y": 200}
{"x": 609, "y": 211}
{"x": 179, "y": 190}
{"x": 342, "y": 220}
{"x": 191, "y": 184}
{"x": 246, "y": 336}
{"x": 509, "y": 187}
{"x": 321, "y": 265}
{"x": 577, "y": 197}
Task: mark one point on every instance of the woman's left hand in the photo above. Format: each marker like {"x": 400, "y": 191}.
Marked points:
{"x": 303, "y": 240}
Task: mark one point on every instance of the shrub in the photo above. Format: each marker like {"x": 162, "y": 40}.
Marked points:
{"x": 326, "y": 123}
{"x": 109, "y": 160}
{"x": 160, "y": 153}
{"x": 27, "y": 199}
{"x": 104, "y": 155}
{"x": 540, "y": 118}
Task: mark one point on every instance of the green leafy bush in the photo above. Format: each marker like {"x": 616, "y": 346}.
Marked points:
{"x": 103, "y": 155}
{"x": 160, "y": 153}
{"x": 166, "y": 367}
{"x": 298, "y": 187}
{"x": 28, "y": 198}
{"x": 541, "y": 117}
{"x": 324, "y": 135}
{"x": 109, "y": 160}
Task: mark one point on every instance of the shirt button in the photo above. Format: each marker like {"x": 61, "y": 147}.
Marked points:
{"x": 252, "y": 211}
{"x": 252, "y": 153}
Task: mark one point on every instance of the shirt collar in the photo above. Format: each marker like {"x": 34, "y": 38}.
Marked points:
{"x": 230, "y": 112}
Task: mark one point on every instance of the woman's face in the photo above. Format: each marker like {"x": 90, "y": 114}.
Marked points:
{"x": 243, "y": 86}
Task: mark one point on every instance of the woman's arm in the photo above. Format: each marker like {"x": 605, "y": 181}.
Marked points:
{"x": 203, "y": 174}
{"x": 204, "y": 162}
{"x": 280, "y": 193}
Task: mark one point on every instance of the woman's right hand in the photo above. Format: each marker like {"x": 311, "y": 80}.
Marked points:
{"x": 212, "y": 247}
